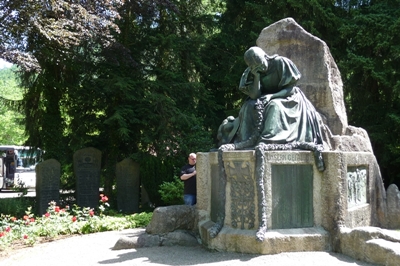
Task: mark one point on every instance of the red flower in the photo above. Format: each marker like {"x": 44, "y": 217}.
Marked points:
{"x": 25, "y": 236}
{"x": 26, "y": 217}
{"x": 47, "y": 215}
{"x": 2, "y": 234}
{"x": 91, "y": 213}
{"x": 104, "y": 199}
{"x": 13, "y": 219}
{"x": 32, "y": 220}
{"x": 8, "y": 229}
{"x": 57, "y": 209}
{"x": 74, "y": 219}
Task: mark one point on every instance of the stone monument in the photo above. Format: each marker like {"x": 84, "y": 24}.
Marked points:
{"x": 87, "y": 165}
{"x": 128, "y": 186}
{"x": 47, "y": 187}
{"x": 267, "y": 191}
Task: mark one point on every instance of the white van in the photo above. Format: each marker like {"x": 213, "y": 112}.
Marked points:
{"x": 17, "y": 163}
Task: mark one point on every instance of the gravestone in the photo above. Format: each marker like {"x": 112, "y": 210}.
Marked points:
{"x": 87, "y": 165}
{"x": 47, "y": 184}
{"x": 128, "y": 186}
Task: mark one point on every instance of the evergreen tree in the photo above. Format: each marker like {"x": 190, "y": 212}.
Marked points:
{"x": 369, "y": 64}
{"x": 11, "y": 121}
{"x": 164, "y": 39}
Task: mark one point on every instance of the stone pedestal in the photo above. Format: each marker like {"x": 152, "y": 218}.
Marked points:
{"x": 304, "y": 206}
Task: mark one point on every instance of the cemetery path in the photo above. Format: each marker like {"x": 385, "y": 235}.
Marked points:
{"x": 95, "y": 249}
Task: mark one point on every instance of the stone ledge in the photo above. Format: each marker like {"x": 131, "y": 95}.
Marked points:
{"x": 382, "y": 252}
{"x": 276, "y": 241}
{"x": 371, "y": 244}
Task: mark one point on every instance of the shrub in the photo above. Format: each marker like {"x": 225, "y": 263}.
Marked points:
{"x": 172, "y": 192}
{"x": 16, "y": 206}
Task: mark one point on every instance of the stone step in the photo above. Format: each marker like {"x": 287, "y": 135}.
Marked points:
{"x": 275, "y": 241}
{"x": 371, "y": 244}
{"x": 382, "y": 252}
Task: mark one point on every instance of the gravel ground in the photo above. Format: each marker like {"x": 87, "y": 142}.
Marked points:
{"x": 95, "y": 249}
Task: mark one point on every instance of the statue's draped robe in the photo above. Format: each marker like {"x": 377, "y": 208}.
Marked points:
{"x": 287, "y": 119}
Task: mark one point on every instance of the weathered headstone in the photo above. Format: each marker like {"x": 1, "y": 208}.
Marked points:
{"x": 47, "y": 184}
{"x": 393, "y": 207}
{"x": 87, "y": 165}
{"x": 128, "y": 186}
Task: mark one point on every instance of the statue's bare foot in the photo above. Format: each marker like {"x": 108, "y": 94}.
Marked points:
{"x": 214, "y": 230}
{"x": 260, "y": 235}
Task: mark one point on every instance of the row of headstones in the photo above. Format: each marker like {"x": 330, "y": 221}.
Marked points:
{"x": 87, "y": 167}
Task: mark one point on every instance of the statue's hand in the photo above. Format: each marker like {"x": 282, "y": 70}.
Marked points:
{"x": 227, "y": 147}
{"x": 255, "y": 71}
{"x": 268, "y": 97}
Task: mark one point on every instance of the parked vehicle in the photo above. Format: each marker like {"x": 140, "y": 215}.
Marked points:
{"x": 15, "y": 160}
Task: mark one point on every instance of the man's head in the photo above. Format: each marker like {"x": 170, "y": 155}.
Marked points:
{"x": 192, "y": 158}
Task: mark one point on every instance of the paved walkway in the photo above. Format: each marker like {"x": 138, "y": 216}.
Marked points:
{"x": 95, "y": 249}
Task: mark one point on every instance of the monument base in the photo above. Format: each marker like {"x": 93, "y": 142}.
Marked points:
{"x": 275, "y": 241}
{"x": 303, "y": 207}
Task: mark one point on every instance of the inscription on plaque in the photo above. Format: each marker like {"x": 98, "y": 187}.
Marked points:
{"x": 356, "y": 186}
{"x": 128, "y": 186}
{"x": 292, "y": 196}
{"x": 293, "y": 157}
{"x": 47, "y": 184}
{"x": 87, "y": 163}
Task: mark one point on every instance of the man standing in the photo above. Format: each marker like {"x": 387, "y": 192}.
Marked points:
{"x": 188, "y": 175}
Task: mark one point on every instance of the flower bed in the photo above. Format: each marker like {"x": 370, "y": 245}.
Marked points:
{"x": 29, "y": 230}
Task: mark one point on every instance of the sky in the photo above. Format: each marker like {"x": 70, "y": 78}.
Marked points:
{"x": 4, "y": 64}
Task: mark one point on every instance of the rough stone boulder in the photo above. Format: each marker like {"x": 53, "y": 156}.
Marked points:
{"x": 171, "y": 225}
{"x": 171, "y": 218}
{"x": 142, "y": 239}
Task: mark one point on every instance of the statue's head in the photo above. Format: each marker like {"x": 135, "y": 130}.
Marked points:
{"x": 256, "y": 59}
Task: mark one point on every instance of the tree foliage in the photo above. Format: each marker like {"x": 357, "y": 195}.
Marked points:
{"x": 61, "y": 24}
{"x": 370, "y": 68}
{"x": 136, "y": 91}
{"x": 11, "y": 121}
